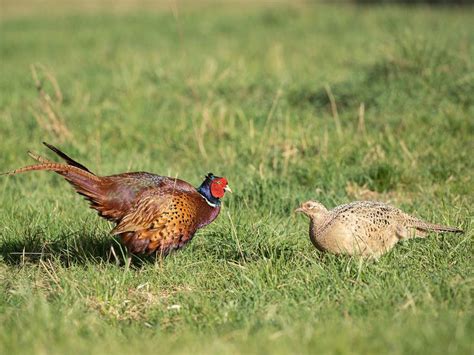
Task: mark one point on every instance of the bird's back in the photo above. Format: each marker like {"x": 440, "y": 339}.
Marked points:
{"x": 122, "y": 190}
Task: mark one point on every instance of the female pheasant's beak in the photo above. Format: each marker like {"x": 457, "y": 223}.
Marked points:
{"x": 299, "y": 209}
{"x": 227, "y": 189}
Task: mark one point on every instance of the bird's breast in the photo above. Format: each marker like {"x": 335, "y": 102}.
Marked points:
{"x": 207, "y": 214}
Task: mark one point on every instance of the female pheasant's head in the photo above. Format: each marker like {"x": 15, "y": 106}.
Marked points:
{"x": 213, "y": 189}
{"x": 312, "y": 209}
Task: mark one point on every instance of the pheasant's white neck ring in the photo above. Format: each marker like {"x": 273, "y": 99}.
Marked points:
{"x": 209, "y": 202}
{"x": 205, "y": 191}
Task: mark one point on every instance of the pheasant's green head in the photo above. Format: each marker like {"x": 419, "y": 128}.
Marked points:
{"x": 213, "y": 188}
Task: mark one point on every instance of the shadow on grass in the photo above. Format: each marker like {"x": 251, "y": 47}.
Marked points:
{"x": 77, "y": 248}
{"x": 98, "y": 247}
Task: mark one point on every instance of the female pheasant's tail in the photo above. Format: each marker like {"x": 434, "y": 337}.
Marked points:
{"x": 423, "y": 226}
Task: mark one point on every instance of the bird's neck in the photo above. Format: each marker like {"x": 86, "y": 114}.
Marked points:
{"x": 314, "y": 230}
{"x": 318, "y": 221}
{"x": 207, "y": 214}
{"x": 205, "y": 191}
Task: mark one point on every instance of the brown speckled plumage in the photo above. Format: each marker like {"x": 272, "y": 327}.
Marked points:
{"x": 164, "y": 220}
{"x": 153, "y": 213}
{"x": 367, "y": 228}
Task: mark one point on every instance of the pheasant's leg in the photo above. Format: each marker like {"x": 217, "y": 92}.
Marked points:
{"x": 114, "y": 254}
{"x": 128, "y": 260}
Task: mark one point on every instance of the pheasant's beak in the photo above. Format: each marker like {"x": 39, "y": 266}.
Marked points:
{"x": 299, "y": 209}
{"x": 227, "y": 189}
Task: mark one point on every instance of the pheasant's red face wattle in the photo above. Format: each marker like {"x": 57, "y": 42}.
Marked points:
{"x": 219, "y": 187}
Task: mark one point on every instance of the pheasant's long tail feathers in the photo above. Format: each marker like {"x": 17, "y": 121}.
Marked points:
{"x": 85, "y": 183}
{"x": 40, "y": 159}
{"x": 42, "y": 166}
{"x": 67, "y": 158}
{"x": 73, "y": 174}
{"x": 432, "y": 227}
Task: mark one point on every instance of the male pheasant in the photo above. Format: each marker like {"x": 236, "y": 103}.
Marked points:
{"x": 152, "y": 213}
{"x": 366, "y": 228}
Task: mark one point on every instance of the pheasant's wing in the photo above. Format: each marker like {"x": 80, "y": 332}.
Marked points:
{"x": 125, "y": 191}
{"x": 161, "y": 220}
{"x": 149, "y": 207}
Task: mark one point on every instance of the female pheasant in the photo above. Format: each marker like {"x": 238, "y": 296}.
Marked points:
{"x": 366, "y": 228}
{"x": 152, "y": 213}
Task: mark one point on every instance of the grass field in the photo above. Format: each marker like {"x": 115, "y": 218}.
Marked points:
{"x": 289, "y": 102}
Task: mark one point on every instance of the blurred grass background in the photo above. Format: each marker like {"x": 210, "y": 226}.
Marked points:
{"x": 288, "y": 100}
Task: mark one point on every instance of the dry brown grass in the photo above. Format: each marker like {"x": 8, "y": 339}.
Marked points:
{"x": 48, "y": 108}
